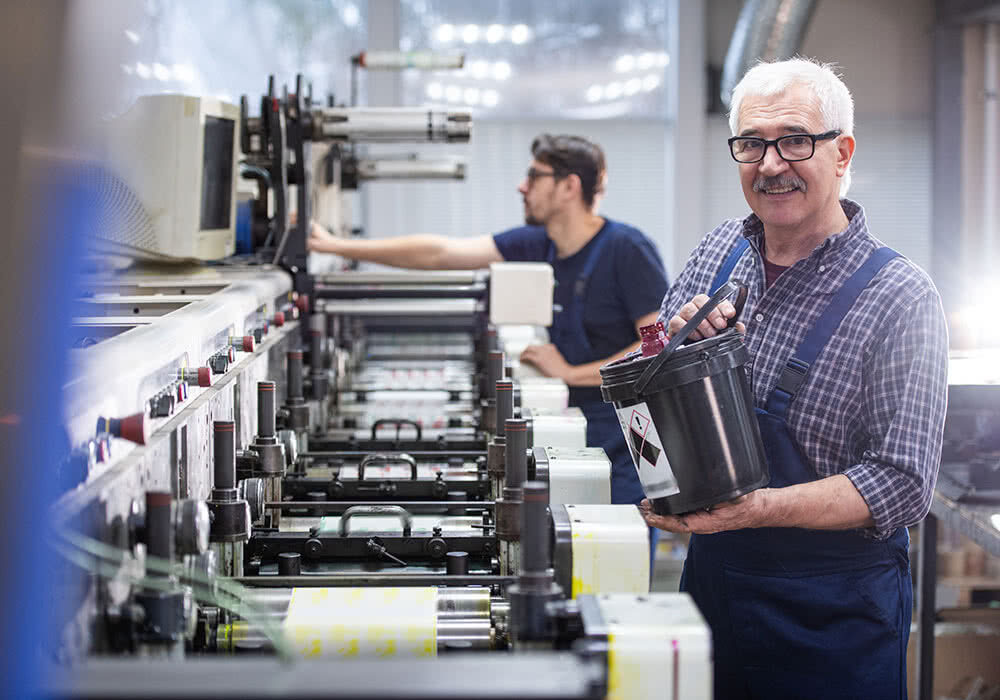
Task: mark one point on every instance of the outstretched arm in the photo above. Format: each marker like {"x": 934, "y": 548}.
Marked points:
{"x": 419, "y": 252}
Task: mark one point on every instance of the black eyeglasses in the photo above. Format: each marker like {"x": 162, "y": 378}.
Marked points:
{"x": 534, "y": 174}
{"x": 794, "y": 147}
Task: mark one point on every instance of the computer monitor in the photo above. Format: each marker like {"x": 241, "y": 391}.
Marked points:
{"x": 178, "y": 157}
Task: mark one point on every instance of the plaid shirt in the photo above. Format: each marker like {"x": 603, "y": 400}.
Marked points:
{"x": 873, "y": 404}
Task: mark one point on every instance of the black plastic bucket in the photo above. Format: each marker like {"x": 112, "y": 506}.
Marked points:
{"x": 688, "y": 417}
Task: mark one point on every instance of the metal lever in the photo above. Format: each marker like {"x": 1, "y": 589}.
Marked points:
{"x": 404, "y": 517}
{"x": 376, "y": 548}
{"x": 401, "y": 458}
{"x": 398, "y": 422}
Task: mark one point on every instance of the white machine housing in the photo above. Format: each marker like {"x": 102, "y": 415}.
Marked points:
{"x": 575, "y": 475}
{"x": 658, "y": 646}
{"x": 610, "y": 549}
{"x": 521, "y": 293}
{"x": 179, "y": 156}
{"x": 549, "y": 393}
{"x": 565, "y": 427}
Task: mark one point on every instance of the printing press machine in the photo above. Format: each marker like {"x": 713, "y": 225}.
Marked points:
{"x": 338, "y": 469}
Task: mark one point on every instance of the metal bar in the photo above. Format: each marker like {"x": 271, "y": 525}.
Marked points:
{"x": 417, "y": 291}
{"x": 379, "y": 579}
{"x": 438, "y": 277}
{"x": 336, "y": 505}
{"x": 416, "y": 454}
{"x": 400, "y": 307}
{"x": 926, "y": 604}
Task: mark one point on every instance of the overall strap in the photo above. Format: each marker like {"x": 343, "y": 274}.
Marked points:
{"x": 582, "y": 351}
{"x": 797, "y": 367}
{"x": 727, "y": 267}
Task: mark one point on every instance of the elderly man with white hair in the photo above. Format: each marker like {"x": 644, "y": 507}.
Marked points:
{"x": 806, "y": 583}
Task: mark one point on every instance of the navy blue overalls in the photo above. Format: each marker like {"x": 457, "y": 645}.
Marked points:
{"x": 569, "y": 336}
{"x": 799, "y": 613}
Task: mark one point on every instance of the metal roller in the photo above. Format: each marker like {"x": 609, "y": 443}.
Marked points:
{"x": 401, "y": 60}
{"x": 410, "y": 169}
{"x": 463, "y": 620}
{"x": 390, "y": 125}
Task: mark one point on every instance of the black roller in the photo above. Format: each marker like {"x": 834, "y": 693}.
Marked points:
{"x": 535, "y": 527}
{"x": 494, "y": 372}
{"x": 516, "y": 454}
{"x": 225, "y": 454}
{"x": 295, "y": 375}
{"x": 289, "y": 564}
{"x": 505, "y": 404}
{"x": 316, "y": 351}
{"x": 159, "y": 527}
{"x": 457, "y": 563}
{"x": 316, "y": 497}
{"x": 265, "y": 409}
{"x": 317, "y": 338}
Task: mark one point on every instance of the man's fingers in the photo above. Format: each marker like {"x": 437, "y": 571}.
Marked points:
{"x": 717, "y": 319}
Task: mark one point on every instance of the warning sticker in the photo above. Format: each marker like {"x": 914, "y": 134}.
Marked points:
{"x": 650, "y": 460}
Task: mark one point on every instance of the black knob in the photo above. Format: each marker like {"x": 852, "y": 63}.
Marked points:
{"x": 314, "y": 548}
{"x": 457, "y": 563}
{"x": 289, "y": 564}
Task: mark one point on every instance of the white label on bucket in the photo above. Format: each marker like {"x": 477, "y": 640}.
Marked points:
{"x": 655, "y": 474}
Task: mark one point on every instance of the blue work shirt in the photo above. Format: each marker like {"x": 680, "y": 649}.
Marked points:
{"x": 628, "y": 283}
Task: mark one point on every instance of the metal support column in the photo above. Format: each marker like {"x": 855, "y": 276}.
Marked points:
{"x": 926, "y": 608}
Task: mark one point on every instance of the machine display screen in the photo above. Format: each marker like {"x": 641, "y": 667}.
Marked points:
{"x": 217, "y": 174}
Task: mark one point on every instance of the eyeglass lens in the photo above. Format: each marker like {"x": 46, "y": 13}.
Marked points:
{"x": 792, "y": 147}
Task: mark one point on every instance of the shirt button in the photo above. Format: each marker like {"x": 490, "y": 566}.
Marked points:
{"x": 822, "y": 268}
{"x": 758, "y": 318}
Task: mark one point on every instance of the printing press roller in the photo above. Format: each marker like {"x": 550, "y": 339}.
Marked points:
{"x": 341, "y": 623}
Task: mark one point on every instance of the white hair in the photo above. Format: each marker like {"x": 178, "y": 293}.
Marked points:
{"x": 836, "y": 106}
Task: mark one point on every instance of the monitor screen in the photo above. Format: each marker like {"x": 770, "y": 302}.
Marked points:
{"x": 217, "y": 173}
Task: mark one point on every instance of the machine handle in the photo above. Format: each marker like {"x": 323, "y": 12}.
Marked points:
{"x": 401, "y": 458}
{"x": 404, "y": 517}
{"x": 724, "y": 292}
{"x": 398, "y": 422}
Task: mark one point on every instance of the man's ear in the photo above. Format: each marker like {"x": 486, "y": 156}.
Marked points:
{"x": 575, "y": 184}
{"x": 845, "y": 151}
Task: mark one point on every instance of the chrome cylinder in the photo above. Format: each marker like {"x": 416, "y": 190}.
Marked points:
{"x": 229, "y": 556}
{"x": 464, "y": 619}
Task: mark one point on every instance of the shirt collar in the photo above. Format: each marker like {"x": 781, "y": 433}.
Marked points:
{"x": 831, "y": 250}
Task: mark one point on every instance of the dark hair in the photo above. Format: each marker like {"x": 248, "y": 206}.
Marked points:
{"x": 573, "y": 155}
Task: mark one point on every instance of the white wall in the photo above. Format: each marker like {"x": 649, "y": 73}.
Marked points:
{"x": 884, "y": 50}
{"x": 498, "y": 154}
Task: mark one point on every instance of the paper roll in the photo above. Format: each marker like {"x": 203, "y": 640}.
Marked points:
{"x": 343, "y": 623}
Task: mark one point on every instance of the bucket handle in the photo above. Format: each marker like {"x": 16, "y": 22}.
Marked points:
{"x": 724, "y": 292}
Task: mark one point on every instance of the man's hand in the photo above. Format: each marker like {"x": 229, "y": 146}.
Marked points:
{"x": 743, "y": 512}
{"x": 320, "y": 239}
{"x": 548, "y": 360}
{"x": 716, "y": 321}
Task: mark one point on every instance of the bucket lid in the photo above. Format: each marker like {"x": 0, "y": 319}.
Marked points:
{"x": 692, "y": 362}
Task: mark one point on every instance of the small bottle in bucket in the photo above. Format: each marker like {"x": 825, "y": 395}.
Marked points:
{"x": 688, "y": 416}
{"x": 654, "y": 339}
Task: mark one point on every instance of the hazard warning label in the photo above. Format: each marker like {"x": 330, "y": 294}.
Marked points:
{"x": 650, "y": 460}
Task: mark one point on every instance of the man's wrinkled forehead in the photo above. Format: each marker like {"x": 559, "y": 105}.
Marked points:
{"x": 794, "y": 110}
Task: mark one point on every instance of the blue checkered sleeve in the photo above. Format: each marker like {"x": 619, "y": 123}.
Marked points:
{"x": 903, "y": 403}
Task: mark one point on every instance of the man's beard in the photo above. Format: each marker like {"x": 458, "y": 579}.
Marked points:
{"x": 530, "y": 219}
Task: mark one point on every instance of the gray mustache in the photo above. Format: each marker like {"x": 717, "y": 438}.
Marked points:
{"x": 778, "y": 181}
